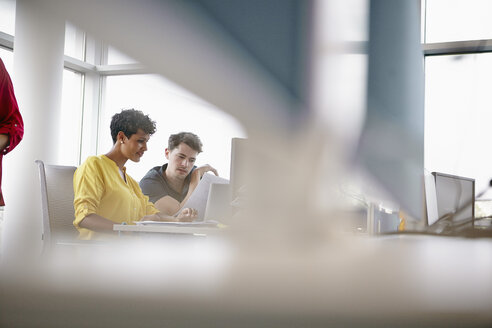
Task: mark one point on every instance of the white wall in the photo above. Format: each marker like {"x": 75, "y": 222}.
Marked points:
{"x": 38, "y": 67}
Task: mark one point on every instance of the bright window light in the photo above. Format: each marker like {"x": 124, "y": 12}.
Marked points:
{"x": 458, "y": 116}
{"x": 458, "y": 20}
{"x": 174, "y": 109}
{"x": 70, "y": 119}
{"x": 7, "y": 16}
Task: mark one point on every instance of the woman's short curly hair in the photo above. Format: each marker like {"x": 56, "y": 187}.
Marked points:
{"x": 129, "y": 121}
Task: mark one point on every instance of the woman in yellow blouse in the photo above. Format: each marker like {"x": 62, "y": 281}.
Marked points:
{"x": 104, "y": 193}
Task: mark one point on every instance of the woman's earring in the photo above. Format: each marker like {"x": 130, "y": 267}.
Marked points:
{"x": 121, "y": 141}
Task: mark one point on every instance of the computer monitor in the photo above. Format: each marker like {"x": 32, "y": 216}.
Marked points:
{"x": 455, "y": 200}
{"x": 237, "y": 178}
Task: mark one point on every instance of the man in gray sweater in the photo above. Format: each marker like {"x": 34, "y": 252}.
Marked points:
{"x": 169, "y": 186}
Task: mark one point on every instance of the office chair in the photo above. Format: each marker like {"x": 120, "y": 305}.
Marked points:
{"x": 57, "y": 203}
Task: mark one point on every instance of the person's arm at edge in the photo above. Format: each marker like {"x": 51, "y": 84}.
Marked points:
{"x": 4, "y": 141}
{"x": 12, "y": 125}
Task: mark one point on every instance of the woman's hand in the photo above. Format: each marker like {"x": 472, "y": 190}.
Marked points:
{"x": 187, "y": 215}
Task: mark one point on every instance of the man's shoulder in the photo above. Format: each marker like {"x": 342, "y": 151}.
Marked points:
{"x": 153, "y": 173}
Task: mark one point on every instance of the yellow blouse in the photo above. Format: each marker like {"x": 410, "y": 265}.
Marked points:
{"x": 100, "y": 189}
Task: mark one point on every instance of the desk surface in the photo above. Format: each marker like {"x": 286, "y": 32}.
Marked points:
{"x": 153, "y": 228}
{"x": 404, "y": 281}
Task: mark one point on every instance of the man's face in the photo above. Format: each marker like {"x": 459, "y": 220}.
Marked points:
{"x": 181, "y": 160}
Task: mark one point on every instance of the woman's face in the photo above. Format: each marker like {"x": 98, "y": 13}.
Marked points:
{"x": 134, "y": 147}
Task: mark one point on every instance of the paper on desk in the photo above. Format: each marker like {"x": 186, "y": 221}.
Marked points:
{"x": 198, "y": 199}
{"x": 208, "y": 223}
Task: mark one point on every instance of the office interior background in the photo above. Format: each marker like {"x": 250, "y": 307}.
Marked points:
{"x": 99, "y": 80}
{"x": 455, "y": 39}
{"x": 122, "y": 83}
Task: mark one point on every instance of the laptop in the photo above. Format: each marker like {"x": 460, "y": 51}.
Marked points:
{"x": 200, "y": 196}
{"x": 218, "y": 207}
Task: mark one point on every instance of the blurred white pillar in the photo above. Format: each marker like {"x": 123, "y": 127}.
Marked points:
{"x": 38, "y": 69}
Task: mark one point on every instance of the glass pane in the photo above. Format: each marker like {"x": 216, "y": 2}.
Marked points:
{"x": 458, "y": 116}
{"x": 174, "y": 110}
{"x": 115, "y": 57}
{"x": 7, "y": 16}
{"x": 74, "y": 42}
{"x": 70, "y": 118}
{"x": 458, "y": 20}
{"x": 342, "y": 21}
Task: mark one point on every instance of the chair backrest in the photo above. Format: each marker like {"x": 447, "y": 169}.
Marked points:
{"x": 57, "y": 202}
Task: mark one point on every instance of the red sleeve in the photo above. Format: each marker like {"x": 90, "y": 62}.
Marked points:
{"x": 11, "y": 122}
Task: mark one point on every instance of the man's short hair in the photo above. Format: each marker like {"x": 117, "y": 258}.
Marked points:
{"x": 129, "y": 121}
{"x": 188, "y": 138}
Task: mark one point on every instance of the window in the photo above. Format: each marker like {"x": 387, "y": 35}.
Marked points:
{"x": 70, "y": 118}
{"x": 8, "y": 59}
{"x": 73, "y": 86}
{"x": 174, "y": 109}
{"x": 458, "y": 89}
{"x": 7, "y": 29}
{"x": 458, "y": 83}
{"x": 7, "y": 16}
{"x": 458, "y": 20}
{"x": 92, "y": 96}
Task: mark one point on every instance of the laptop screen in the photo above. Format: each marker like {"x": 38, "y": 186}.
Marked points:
{"x": 455, "y": 198}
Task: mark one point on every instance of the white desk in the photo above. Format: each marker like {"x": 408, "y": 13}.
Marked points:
{"x": 174, "y": 229}
{"x": 404, "y": 281}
